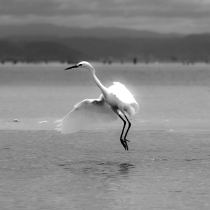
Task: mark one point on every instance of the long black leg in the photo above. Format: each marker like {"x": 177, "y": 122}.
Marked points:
{"x": 129, "y": 125}
{"x": 123, "y": 142}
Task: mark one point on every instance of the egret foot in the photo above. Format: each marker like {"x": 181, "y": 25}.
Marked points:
{"x": 124, "y": 143}
{"x": 127, "y": 146}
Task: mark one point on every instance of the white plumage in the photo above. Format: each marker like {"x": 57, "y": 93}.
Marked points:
{"x": 86, "y": 112}
{"x": 113, "y": 102}
{"x": 124, "y": 96}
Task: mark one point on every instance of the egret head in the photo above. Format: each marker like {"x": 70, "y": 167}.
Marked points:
{"x": 82, "y": 64}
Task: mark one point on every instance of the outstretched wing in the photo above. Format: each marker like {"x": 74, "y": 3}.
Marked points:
{"x": 86, "y": 112}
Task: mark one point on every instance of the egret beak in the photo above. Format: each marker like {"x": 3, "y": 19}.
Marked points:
{"x": 72, "y": 67}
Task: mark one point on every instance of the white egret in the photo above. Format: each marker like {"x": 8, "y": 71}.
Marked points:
{"x": 113, "y": 102}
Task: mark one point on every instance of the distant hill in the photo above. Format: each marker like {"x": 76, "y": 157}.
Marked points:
{"x": 38, "y": 51}
{"x": 63, "y": 32}
{"x": 122, "y": 46}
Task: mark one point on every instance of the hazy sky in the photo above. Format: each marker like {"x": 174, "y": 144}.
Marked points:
{"x": 183, "y": 16}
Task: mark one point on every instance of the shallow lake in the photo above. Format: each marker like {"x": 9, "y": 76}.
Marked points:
{"x": 167, "y": 166}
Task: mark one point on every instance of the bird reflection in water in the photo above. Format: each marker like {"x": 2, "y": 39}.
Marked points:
{"x": 108, "y": 169}
{"x": 124, "y": 168}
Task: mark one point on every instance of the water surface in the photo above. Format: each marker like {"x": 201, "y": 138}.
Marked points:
{"x": 167, "y": 166}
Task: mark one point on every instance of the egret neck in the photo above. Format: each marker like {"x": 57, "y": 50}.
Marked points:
{"x": 103, "y": 89}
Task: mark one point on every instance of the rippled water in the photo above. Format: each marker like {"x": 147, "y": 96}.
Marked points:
{"x": 167, "y": 166}
{"x": 91, "y": 170}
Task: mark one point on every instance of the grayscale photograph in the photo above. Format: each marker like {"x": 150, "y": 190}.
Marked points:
{"x": 104, "y": 105}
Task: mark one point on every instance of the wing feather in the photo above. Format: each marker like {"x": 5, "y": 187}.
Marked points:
{"x": 124, "y": 95}
{"x": 86, "y": 112}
